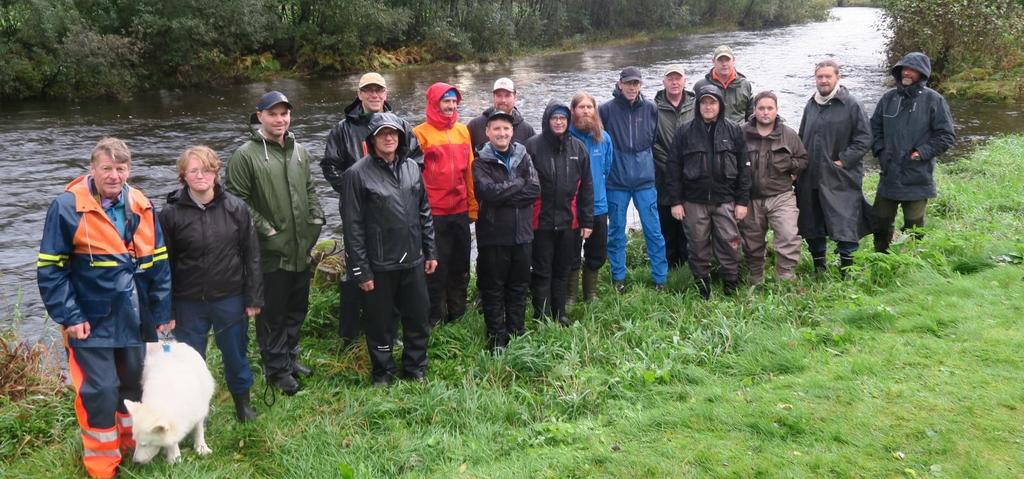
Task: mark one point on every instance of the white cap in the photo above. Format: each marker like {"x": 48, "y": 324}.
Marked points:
{"x": 504, "y": 84}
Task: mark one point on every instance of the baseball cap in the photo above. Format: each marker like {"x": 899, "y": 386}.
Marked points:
{"x": 674, "y": 69}
{"x": 723, "y": 51}
{"x": 504, "y": 84}
{"x": 630, "y": 74}
{"x": 372, "y": 78}
{"x": 272, "y": 98}
{"x": 500, "y": 115}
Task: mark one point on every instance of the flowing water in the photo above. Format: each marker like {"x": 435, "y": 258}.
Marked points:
{"x": 47, "y": 143}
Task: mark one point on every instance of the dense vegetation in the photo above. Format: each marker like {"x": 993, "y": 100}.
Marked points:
{"x": 976, "y": 47}
{"x": 910, "y": 368}
{"x": 83, "y": 48}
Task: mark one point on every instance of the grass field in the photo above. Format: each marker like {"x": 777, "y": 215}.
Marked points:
{"x": 910, "y": 368}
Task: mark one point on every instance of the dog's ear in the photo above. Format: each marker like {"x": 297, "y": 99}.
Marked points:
{"x": 159, "y": 429}
{"x": 132, "y": 406}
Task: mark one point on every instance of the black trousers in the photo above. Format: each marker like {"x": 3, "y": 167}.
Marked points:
{"x": 503, "y": 276}
{"x": 675, "y": 237}
{"x": 285, "y": 302}
{"x": 595, "y": 248}
{"x": 405, "y": 290}
{"x": 449, "y": 284}
{"x": 350, "y": 317}
{"x": 552, "y": 260}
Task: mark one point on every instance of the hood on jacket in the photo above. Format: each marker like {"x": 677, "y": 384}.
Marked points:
{"x": 354, "y": 111}
{"x": 714, "y": 91}
{"x": 390, "y": 120}
{"x": 916, "y": 60}
{"x": 545, "y": 127}
{"x": 434, "y": 115}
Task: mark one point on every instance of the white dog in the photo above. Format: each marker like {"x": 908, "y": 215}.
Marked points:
{"x": 176, "y": 392}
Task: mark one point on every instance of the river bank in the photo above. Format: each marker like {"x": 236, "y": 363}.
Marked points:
{"x": 906, "y": 370}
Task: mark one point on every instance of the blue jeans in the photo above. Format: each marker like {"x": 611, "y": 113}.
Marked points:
{"x": 646, "y": 202}
{"x": 193, "y": 322}
{"x": 819, "y": 246}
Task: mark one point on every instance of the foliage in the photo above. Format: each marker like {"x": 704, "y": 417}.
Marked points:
{"x": 958, "y": 34}
{"x": 83, "y": 48}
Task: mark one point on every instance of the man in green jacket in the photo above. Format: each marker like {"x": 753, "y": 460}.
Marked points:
{"x": 738, "y": 92}
{"x": 675, "y": 109}
{"x": 270, "y": 172}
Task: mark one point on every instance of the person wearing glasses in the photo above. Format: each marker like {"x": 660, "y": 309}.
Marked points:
{"x": 215, "y": 268}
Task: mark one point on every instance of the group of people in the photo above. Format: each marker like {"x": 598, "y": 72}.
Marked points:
{"x": 710, "y": 172}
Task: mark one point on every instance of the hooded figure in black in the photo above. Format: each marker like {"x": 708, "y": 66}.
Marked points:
{"x": 565, "y": 208}
{"x": 709, "y": 188}
{"x": 911, "y": 126}
{"x": 389, "y": 243}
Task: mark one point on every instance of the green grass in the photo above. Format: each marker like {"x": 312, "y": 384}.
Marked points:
{"x": 909, "y": 369}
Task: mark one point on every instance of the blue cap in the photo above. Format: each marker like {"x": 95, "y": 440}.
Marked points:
{"x": 450, "y": 94}
{"x": 272, "y": 98}
{"x": 560, "y": 111}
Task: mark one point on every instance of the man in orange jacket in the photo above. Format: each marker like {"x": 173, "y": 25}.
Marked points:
{"x": 104, "y": 277}
{"x": 448, "y": 177}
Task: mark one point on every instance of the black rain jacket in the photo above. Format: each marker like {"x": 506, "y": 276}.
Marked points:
{"x": 506, "y": 195}
{"x": 214, "y": 252}
{"x": 563, "y": 166}
{"x": 385, "y": 214}
{"x": 708, "y": 162}
{"x": 346, "y": 143}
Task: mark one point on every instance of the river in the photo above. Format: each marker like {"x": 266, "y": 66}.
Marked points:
{"x": 47, "y": 143}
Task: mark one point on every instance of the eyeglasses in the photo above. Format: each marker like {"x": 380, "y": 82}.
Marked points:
{"x": 200, "y": 172}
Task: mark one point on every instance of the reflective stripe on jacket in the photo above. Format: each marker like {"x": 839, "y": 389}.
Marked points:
{"x": 87, "y": 271}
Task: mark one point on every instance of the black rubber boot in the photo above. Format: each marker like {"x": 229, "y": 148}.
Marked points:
{"x": 300, "y": 371}
{"x": 819, "y": 264}
{"x": 243, "y": 407}
{"x": 845, "y": 262}
{"x": 882, "y": 241}
{"x": 704, "y": 287}
{"x": 589, "y": 285}
{"x": 572, "y": 286}
{"x": 729, "y": 287}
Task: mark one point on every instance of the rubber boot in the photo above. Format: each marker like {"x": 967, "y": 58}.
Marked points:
{"x": 882, "y": 241}
{"x": 845, "y": 261}
{"x": 729, "y": 286}
{"x": 819, "y": 263}
{"x": 589, "y": 285}
{"x": 704, "y": 287}
{"x": 572, "y": 285}
{"x": 243, "y": 407}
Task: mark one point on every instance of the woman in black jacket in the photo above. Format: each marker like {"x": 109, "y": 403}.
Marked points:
{"x": 565, "y": 209}
{"x": 215, "y": 268}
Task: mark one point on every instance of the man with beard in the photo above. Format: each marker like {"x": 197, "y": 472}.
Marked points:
{"x": 346, "y": 144}
{"x": 736, "y": 87}
{"x": 448, "y": 177}
{"x": 709, "y": 186}
{"x": 835, "y": 131}
{"x": 776, "y": 158}
{"x": 632, "y": 122}
{"x": 911, "y": 126}
{"x": 587, "y": 128}
{"x": 675, "y": 109}
{"x": 566, "y": 204}
{"x": 504, "y": 97}
{"x": 506, "y": 187}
